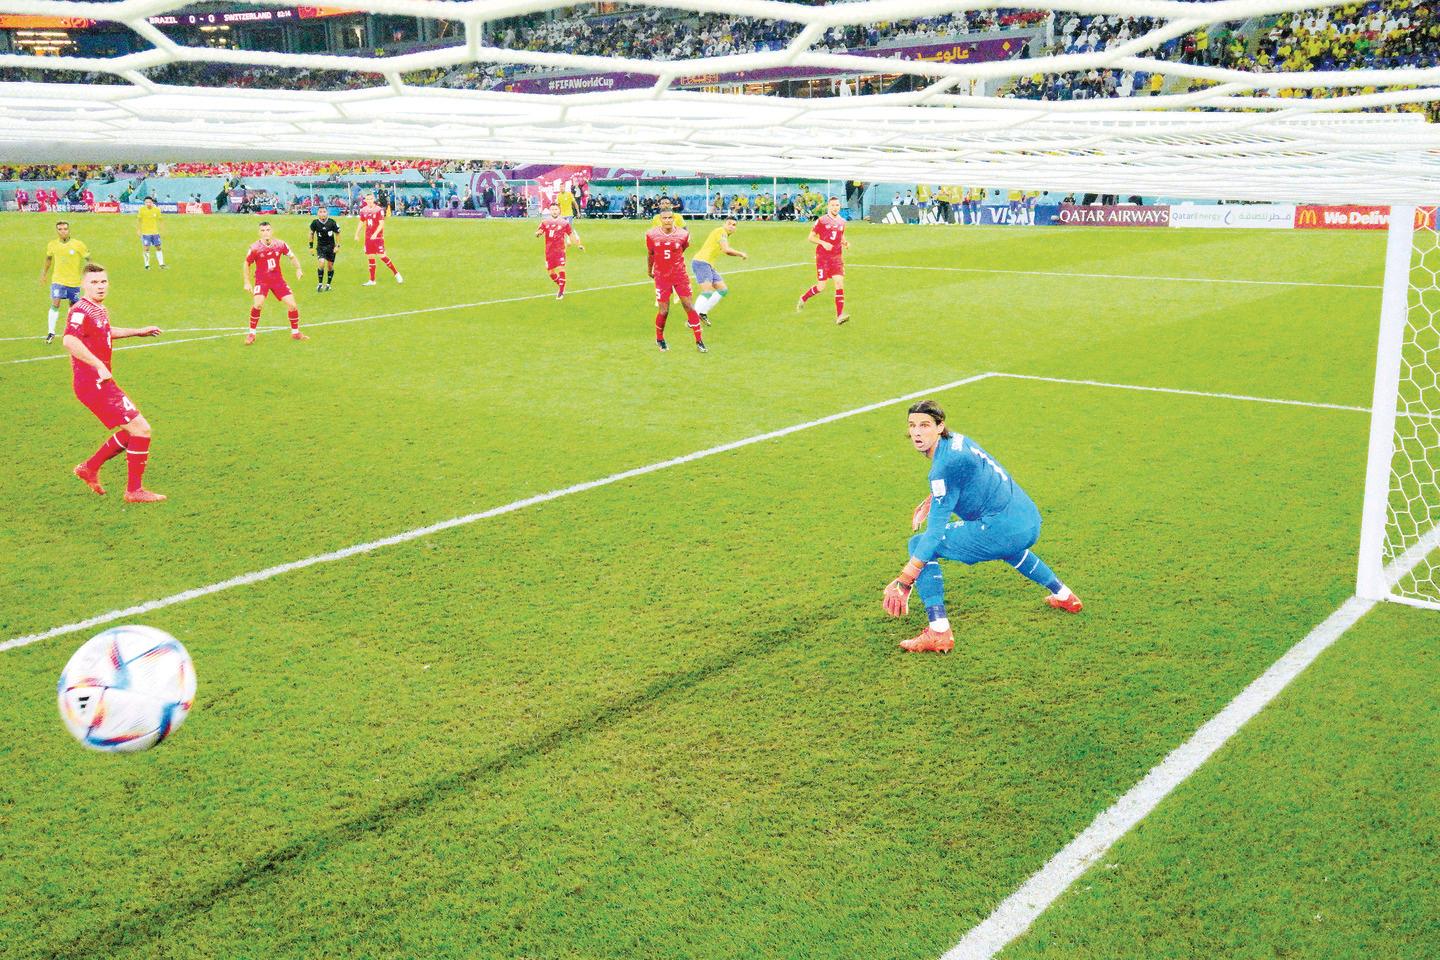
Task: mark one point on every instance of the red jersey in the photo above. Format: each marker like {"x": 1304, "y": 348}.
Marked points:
{"x": 374, "y": 224}
{"x": 555, "y": 231}
{"x": 267, "y": 261}
{"x": 91, "y": 323}
{"x": 667, "y": 251}
{"x": 832, "y": 231}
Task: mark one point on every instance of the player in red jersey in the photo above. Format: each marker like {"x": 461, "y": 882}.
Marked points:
{"x": 371, "y": 230}
{"x": 665, "y": 246}
{"x": 265, "y": 253}
{"x": 558, "y": 233}
{"x": 88, "y": 336}
{"x": 828, "y": 235}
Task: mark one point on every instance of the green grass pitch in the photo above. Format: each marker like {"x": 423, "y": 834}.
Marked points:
{"x": 665, "y": 717}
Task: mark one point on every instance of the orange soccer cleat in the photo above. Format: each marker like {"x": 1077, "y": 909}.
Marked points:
{"x": 297, "y": 335}
{"x": 249, "y": 338}
{"x": 143, "y": 496}
{"x": 1066, "y": 601}
{"x": 930, "y": 641}
{"x": 91, "y": 478}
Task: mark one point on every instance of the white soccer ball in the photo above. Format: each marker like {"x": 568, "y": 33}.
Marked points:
{"x": 127, "y": 689}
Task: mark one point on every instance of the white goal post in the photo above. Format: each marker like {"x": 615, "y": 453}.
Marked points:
{"x": 1400, "y": 521}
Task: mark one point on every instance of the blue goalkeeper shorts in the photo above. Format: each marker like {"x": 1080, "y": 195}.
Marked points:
{"x": 998, "y": 536}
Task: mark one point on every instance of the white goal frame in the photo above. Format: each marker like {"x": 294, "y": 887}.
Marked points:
{"x": 1375, "y": 579}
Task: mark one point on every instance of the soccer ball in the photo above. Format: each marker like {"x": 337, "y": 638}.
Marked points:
{"x": 126, "y": 689}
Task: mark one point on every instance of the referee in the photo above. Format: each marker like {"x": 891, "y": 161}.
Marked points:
{"x": 323, "y": 234}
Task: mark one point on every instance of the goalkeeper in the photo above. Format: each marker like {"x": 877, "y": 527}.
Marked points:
{"x": 997, "y": 521}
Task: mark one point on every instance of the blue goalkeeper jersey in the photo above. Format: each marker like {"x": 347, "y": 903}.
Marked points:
{"x": 965, "y": 481}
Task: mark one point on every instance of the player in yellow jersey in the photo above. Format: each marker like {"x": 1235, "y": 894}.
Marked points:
{"x": 65, "y": 259}
{"x": 712, "y": 285}
{"x": 566, "y": 201}
{"x": 148, "y": 227}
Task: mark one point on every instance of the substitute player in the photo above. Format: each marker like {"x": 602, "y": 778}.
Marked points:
{"x": 371, "y": 230}
{"x": 324, "y": 239}
{"x": 147, "y": 221}
{"x": 828, "y": 235}
{"x": 88, "y": 337}
{"x": 559, "y": 233}
{"x": 665, "y": 260}
{"x": 65, "y": 257}
{"x": 996, "y": 521}
{"x": 265, "y": 254}
{"x": 712, "y": 285}
{"x": 566, "y": 201}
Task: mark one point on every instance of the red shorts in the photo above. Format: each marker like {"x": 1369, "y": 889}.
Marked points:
{"x": 552, "y": 263}
{"x": 280, "y": 288}
{"x": 825, "y": 269}
{"x": 680, "y": 284}
{"x": 374, "y": 248}
{"x": 107, "y": 401}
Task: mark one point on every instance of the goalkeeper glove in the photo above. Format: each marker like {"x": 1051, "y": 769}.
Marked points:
{"x": 897, "y": 592}
{"x": 922, "y": 512}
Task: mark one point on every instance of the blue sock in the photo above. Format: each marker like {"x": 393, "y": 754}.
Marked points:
{"x": 1034, "y": 568}
{"x": 931, "y": 586}
{"x": 936, "y": 612}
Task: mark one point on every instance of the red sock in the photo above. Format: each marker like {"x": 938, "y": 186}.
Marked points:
{"x": 372, "y": 268}
{"x": 693, "y": 319}
{"x": 254, "y": 317}
{"x": 294, "y": 319}
{"x": 660, "y": 326}
{"x": 112, "y": 447}
{"x": 809, "y": 293}
{"x": 138, "y": 450}
{"x": 386, "y": 261}
{"x": 839, "y": 302}
{"x": 560, "y": 281}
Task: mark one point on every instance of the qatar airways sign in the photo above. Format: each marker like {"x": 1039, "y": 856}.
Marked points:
{"x": 1116, "y": 215}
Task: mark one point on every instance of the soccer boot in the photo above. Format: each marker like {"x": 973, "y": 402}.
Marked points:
{"x": 705, "y": 319}
{"x": 842, "y": 319}
{"x": 297, "y": 335}
{"x": 1066, "y": 601}
{"x": 700, "y": 345}
{"x": 559, "y": 294}
{"x": 368, "y": 283}
{"x": 928, "y": 641}
{"x": 147, "y": 266}
{"x": 661, "y": 345}
{"x": 249, "y": 338}
{"x": 164, "y": 266}
{"x": 319, "y": 288}
{"x": 399, "y": 279}
{"x": 799, "y": 304}
{"x": 143, "y": 496}
{"x": 91, "y": 478}
{"x": 49, "y": 338}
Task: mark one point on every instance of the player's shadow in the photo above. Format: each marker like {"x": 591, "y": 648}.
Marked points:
{"x": 148, "y": 923}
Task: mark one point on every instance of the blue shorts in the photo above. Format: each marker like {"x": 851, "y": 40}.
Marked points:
{"x": 58, "y": 291}
{"x": 998, "y": 536}
{"x": 704, "y": 273}
{"x": 149, "y": 239}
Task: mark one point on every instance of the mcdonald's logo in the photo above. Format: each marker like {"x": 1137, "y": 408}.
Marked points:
{"x": 1424, "y": 218}
{"x": 1307, "y": 217}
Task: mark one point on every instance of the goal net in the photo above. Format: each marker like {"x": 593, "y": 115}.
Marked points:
{"x": 1157, "y": 97}
{"x": 1400, "y": 535}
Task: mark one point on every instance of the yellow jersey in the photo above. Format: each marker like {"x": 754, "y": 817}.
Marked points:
{"x": 149, "y": 218}
{"x": 566, "y": 202}
{"x": 710, "y": 251}
{"x": 67, "y": 259}
{"x": 679, "y": 221}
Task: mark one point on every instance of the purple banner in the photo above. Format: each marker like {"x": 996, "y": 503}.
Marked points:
{"x": 1114, "y": 216}
{"x": 970, "y": 51}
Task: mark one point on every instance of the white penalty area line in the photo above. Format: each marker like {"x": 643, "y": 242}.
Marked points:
{"x": 237, "y": 331}
{"x": 1185, "y": 393}
{"x": 1120, "y": 276}
{"x": 1018, "y": 911}
{"x": 418, "y": 532}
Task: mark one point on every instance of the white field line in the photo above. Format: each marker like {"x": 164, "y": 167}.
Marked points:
{"x": 237, "y": 331}
{"x": 1185, "y": 393}
{"x": 1015, "y": 914}
{"x": 1119, "y": 276}
{"x": 418, "y": 532}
